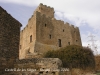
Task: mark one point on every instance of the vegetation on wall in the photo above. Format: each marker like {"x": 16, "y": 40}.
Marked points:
{"x": 74, "y": 56}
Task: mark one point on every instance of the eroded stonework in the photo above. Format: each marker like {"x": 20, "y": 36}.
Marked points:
{"x": 40, "y": 66}
{"x": 9, "y": 35}
{"x": 9, "y": 40}
{"x": 43, "y": 32}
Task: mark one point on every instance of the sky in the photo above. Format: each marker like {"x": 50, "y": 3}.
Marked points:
{"x": 82, "y": 13}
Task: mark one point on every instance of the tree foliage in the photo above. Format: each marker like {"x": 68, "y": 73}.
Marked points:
{"x": 74, "y": 56}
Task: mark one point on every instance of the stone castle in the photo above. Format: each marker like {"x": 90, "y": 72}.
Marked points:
{"x": 43, "y": 32}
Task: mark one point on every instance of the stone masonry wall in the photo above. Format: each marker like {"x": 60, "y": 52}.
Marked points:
{"x": 49, "y": 31}
{"x": 27, "y": 45}
{"x": 47, "y": 10}
{"x": 9, "y": 40}
{"x": 9, "y": 35}
{"x": 35, "y": 66}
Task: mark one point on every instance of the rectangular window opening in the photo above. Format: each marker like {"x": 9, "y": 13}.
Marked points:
{"x": 59, "y": 42}
{"x": 50, "y": 36}
{"x": 31, "y": 38}
{"x": 63, "y": 30}
{"x": 76, "y": 40}
{"x": 40, "y": 72}
{"x": 68, "y": 43}
{"x": 45, "y": 25}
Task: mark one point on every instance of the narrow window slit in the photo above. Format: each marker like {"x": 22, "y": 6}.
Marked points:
{"x": 59, "y": 42}
{"x": 45, "y": 25}
{"x": 50, "y": 36}
{"x": 68, "y": 43}
{"x": 31, "y": 38}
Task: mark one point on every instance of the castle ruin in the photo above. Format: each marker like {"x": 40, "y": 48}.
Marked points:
{"x": 43, "y": 32}
{"x": 9, "y": 35}
{"x": 9, "y": 40}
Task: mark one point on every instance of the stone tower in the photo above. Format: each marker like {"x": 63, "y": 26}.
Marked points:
{"x": 9, "y": 35}
{"x": 43, "y": 32}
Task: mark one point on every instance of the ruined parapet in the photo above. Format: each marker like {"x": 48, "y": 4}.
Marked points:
{"x": 47, "y": 10}
{"x": 72, "y": 26}
{"x": 39, "y": 14}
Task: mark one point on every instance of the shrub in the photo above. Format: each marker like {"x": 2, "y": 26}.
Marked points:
{"x": 74, "y": 56}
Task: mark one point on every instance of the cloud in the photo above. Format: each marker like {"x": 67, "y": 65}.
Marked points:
{"x": 82, "y": 13}
{"x": 68, "y": 18}
{"x": 75, "y": 10}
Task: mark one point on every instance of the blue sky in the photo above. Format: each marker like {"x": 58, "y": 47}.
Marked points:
{"x": 82, "y": 13}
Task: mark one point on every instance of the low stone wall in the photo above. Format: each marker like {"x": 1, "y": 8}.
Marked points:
{"x": 38, "y": 66}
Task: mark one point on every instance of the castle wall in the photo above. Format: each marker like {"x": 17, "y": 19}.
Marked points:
{"x": 9, "y": 40}
{"x": 44, "y": 66}
{"x": 62, "y": 32}
{"x": 44, "y": 28}
{"x": 49, "y": 31}
{"x": 75, "y": 34}
{"x": 28, "y": 38}
{"x": 9, "y": 35}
